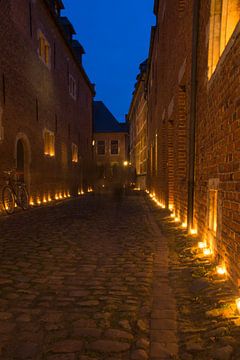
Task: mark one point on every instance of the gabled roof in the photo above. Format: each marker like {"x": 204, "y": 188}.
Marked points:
{"x": 104, "y": 121}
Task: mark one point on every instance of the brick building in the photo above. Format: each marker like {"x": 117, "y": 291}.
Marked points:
{"x": 111, "y": 141}
{"x": 194, "y": 120}
{"x": 45, "y": 99}
{"x": 137, "y": 118}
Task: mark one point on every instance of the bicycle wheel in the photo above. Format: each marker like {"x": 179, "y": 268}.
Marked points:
{"x": 23, "y": 198}
{"x": 8, "y": 199}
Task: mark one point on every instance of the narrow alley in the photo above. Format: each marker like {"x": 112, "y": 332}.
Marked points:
{"x": 92, "y": 279}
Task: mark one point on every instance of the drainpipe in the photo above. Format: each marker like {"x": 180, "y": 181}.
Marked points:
{"x": 192, "y": 127}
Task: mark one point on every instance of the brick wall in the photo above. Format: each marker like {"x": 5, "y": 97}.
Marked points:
{"x": 34, "y": 97}
{"x": 218, "y": 146}
{"x": 169, "y": 92}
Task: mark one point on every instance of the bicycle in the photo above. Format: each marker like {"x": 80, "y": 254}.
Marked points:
{"x": 14, "y": 193}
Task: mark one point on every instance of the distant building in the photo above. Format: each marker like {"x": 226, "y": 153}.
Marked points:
{"x": 111, "y": 140}
{"x": 45, "y": 99}
{"x": 137, "y": 118}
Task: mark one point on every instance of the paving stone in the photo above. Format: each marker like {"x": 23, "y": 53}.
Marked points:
{"x": 142, "y": 343}
{"x": 108, "y": 346}
{"x": 67, "y": 346}
{"x": 118, "y": 334}
{"x": 139, "y": 355}
{"x": 82, "y": 283}
{"x": 163, "y": 324}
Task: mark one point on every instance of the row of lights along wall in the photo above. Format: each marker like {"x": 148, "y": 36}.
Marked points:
{"x": 203, "y": 246}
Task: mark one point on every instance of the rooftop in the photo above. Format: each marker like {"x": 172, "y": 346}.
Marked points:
{"x": 104, "y": 121}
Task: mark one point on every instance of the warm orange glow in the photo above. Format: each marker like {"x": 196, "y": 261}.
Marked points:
{"x": 207, "y": 251}
{"x": 49, "y": 198}
{"x": 31, "y": 202}
{"x": 193, "y": 231}
{"x": 184, "y": 225}
{"x": 221, "y": 270}
{"x": 172, "y": 215}
{"x": 39, "y": 202}
{"x": 238, "y": 305}
{"x": 56, "y": 197}
{"x": 176, "y": 219}
{"x": 170, "y": 207}
{"x": 202, "y": 244}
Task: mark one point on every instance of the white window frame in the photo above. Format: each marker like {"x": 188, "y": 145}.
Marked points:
{"x": 111, "y": 147}
{"x": 104, "y": 147}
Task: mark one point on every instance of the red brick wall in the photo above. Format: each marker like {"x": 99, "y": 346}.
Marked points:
{"x": 29, "y": 82}
{"x": 218, "y": 145}
{"x": 170, "y": 72}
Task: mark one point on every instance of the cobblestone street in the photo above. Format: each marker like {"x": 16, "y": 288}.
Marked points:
{"x": 85, "y": 279}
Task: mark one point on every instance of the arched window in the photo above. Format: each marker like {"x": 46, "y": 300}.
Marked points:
{"x": 224, "y": 17}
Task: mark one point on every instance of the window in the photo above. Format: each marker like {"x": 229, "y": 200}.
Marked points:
{"x": 74, "y": 153}
{"x": 224, "y": 17}
{"x": 72, "y": 87}
{"x": 49, "y": 143}
{"x": 212, "y": 219}
{"x": 101, "y": 147}
{"x": 181, "y": 6}
{"x": 44, "y": 50}
{"x": 114, "y": 147}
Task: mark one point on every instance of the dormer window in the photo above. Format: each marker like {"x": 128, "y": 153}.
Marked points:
{"x": 72, "y": 87}
{"x": 44, "y": 50}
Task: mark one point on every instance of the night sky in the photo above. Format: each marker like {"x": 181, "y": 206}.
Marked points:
{"x": 115, "y": 36}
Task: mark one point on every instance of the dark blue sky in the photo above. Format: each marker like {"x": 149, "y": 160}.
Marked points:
{"x": 115, "y": 35}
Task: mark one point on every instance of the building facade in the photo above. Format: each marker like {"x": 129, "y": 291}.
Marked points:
{"x": 137, "y": 118}
{"x": 111, "y": 142}
{"x": 45, "y": 99}
{"x": 194, "y": 120}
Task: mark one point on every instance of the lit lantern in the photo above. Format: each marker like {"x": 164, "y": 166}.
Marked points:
{"x": 193, "y": 231}
{"x": 202, "y": 244}
{"x": 238, "y": 305}
{"x": 176, "y": 219}
{"x": 184, "y": 225}
{"x": 207, "y": 252}
{"x": 39, "y": 202}
{"x": 221, "y": 270}
{"x": 49, "y": 198}
{"x": 56, "y": 197}
{"x": 172, "y": 215}
{"x": 60, "y": 196}
{"x": 44, "y": 200}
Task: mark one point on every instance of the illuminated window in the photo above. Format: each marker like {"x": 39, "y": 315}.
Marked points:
{"x": 44, "y": 50}
{"x": 49, "y": 143}
{"x": 74, "y": 153}
{"x": 101, "y": 147}
{"x": 114, "y": 147}
{"x": 212, "y": 219}
{"x": 224, "y": 17}
{"x": 72, "y": 87}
